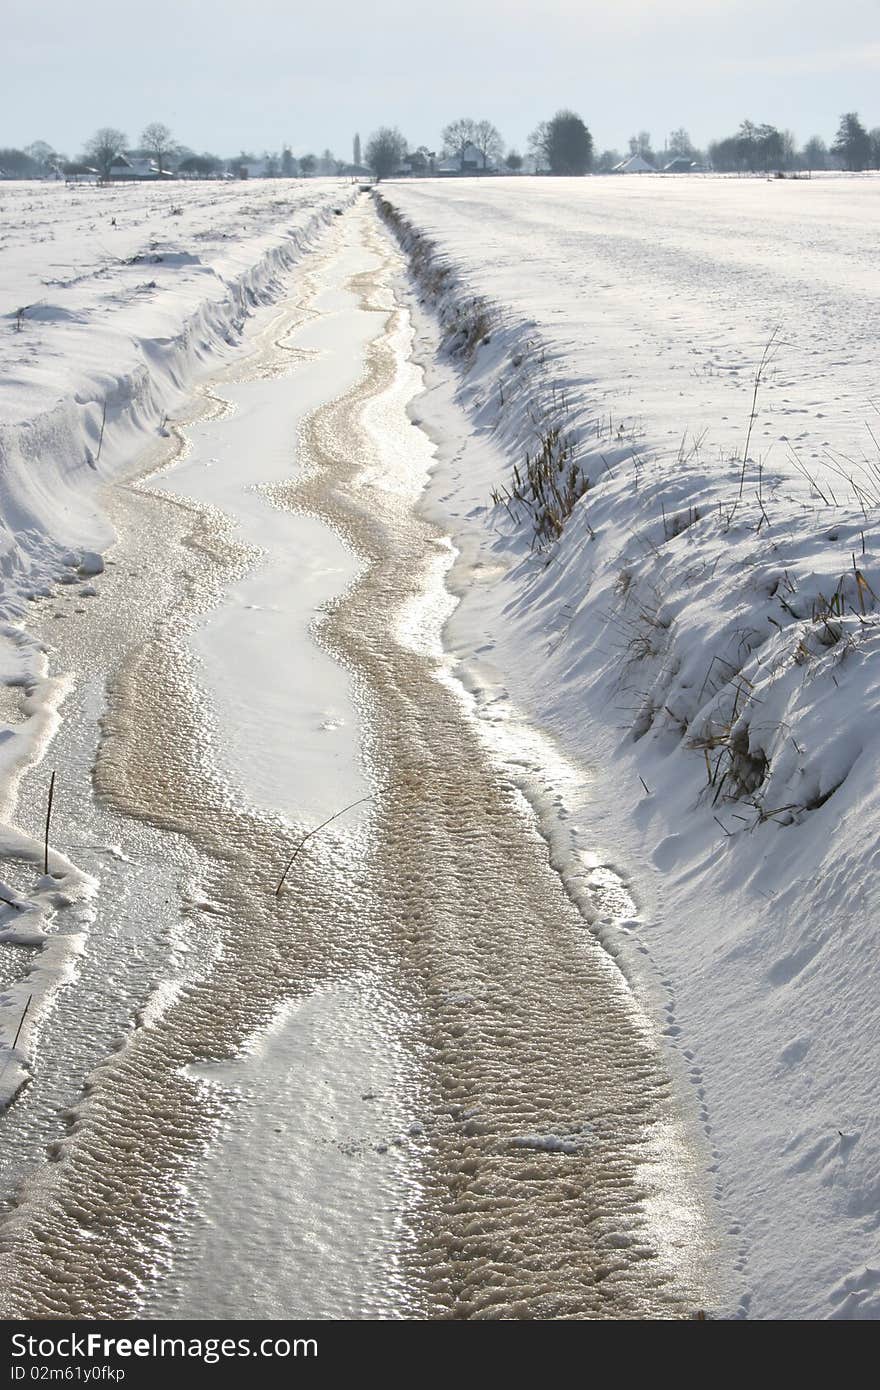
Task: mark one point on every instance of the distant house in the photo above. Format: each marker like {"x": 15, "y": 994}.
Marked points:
{"x": 420, "y": 162}
{"x": 121, "y": 168}
{"x": 682, "y": 165}
{"x": 634, "y": 165}
{"x": 469, "y": 161}
{"x": 136, "y": 167}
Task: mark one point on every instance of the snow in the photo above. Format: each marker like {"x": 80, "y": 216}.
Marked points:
{"x": 113, "y": 304}
{"x": 701, "y": 641}
{"x": 128, "y": 295}
{"x": 555, "y": 1143}
{"x": 286, "y": 730}
{"x": 301, "y": 1199}
{"x": 683, "y": 682}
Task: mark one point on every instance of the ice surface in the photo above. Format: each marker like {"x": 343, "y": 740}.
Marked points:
{"x": 302, "y": 1198}
{"x": 287, "y": 731}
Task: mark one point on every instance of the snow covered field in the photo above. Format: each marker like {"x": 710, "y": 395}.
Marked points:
{"x": 113, "y": 303}
{"x": 702, "y": 636}
{"x": 422, "y": 999}
{"x": 666, "y": 619}
{"x": 661, "y": 295}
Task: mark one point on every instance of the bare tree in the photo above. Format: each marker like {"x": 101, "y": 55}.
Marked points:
{"x": 789, "y": 150}
{"x": 458, "y": 135}
{"x": 680, "y": 146}
{"x": 487, "y": 139}
{"x": 539, "y": 143}
{"x": 815, "y": 153}
{"x": 385, "y": 150}
{"x": 754, "y": 148}
{"x": 104, "y": 148}
{"x": 640, "y": 144}
{"x": 159, "y": 142}
{"x": 43, "y": 155}
{"x": 356, "y": 150}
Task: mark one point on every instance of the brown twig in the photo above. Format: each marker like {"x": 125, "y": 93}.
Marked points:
{"x": 48, "y": 819}
{"x": 101, "y": 436}
{"x": 310, "y": 833}
{"x": 770, "y": 348}
{"x": 21, "y": 1022}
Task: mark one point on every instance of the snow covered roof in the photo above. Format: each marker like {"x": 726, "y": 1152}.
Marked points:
{"x": 634, "y": 165}
{"x": 142, "y": 165}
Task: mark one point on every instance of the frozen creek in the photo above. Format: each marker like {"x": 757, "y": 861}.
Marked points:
{"x": 413, "y": 1084}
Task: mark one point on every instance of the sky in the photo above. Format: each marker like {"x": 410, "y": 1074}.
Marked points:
{"x": 253, "y": 76}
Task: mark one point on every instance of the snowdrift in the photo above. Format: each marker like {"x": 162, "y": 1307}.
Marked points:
{"x": 96, "y": 356}
{"x": 702, "y": 632}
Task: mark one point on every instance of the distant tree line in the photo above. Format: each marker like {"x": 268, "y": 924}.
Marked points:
{"x": 561, "y": 145}
{"x": 103, "y": 155}
{"x": 764, "y": 149}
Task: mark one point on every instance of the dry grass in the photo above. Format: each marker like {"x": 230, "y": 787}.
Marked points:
{"x": 549, "y": 485}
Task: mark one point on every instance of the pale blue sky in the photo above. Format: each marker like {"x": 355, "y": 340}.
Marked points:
{"x": 229, "y": 75}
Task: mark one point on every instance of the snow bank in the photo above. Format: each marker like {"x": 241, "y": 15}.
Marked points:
{"x": 113, "y": 302}
{"x": 701, "y": 632}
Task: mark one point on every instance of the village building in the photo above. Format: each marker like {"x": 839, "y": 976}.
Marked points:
{"x": 682, "y": 165}
{"x": 634, "y": 165}
{"x": 469, "y": 161}
{"x": 136, "y": 168}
